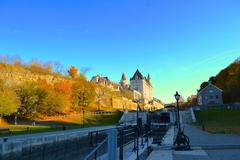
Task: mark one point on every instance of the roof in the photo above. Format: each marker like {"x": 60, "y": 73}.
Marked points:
{"x": 149, "y": 77}
{"x": 124, "y": 77}
{"x": 209, "y": 85}
{"x": 137, "y": 74}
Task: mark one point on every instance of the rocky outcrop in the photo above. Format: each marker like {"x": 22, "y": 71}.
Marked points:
{"x": 19, "y": 77}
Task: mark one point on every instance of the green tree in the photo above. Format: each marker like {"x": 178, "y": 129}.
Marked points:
{"x": 83, "y": 93}
{"x": 31, "y": 97}
{"x": 9, "y": 103}
{"x": 53, "y": 103}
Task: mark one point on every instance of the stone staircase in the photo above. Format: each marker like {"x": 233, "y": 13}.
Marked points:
{"x": 130, "y": 118}
{"x": 186, "y": 117}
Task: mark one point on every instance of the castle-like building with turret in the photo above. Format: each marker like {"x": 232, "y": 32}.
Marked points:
{"x": 141, "y": 86}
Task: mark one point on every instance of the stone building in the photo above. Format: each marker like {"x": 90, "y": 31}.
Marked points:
{"x": 105, "y": 82}
{"x": 210, "y": 95}
{"x": 124, "y": 82}
{"x": 142, "y": 85}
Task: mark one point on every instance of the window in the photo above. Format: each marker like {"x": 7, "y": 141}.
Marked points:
{"x": 217, "y": 96}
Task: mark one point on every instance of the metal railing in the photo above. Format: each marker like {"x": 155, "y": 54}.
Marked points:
{"x": 98, "y": 142}
{"x": 94, "y": 154}
{"x": 136, "y": 135}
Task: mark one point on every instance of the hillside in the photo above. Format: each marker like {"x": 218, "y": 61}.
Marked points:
{"x": 34, "y": 90}
{"x": 228, "y": 80}
{"x": 21, "y": 73}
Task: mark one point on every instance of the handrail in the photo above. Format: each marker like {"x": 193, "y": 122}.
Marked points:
{"x": 93, "y": 152}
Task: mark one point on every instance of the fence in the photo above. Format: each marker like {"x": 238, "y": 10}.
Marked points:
{"x": 224, "y": 106}
{"x": 134, "y": 136}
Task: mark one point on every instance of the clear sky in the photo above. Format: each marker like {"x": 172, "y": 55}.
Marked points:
{"x": 179, "y": 42}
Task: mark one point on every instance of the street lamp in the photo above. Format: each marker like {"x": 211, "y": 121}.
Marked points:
{"x": 182, "y": 141}
{"x": 137, "y": 109}
{"x": 177, "y": 97}
{"x": 138, "y": 125}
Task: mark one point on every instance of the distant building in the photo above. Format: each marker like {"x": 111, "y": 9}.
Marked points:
{"x": 140, "y": 86}
{"x": 124, "y": 82}
{"x": 143, "y": 85}
{"x": 105, "y": 82}
{"x": 210, "y": 95}
{"x": 100, "y": 80}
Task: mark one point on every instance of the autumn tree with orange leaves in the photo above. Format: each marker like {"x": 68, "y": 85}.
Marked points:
{"x": 73, "y": 72}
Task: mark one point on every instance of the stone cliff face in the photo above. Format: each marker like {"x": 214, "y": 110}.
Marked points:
{"x": 19, "y": 77}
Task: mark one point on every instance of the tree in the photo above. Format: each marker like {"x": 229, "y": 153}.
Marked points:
{"x": 73, "y": 72}
{"x": 56, "y": 98}
{"x": 83, "y": 92}
{"x": 192, "y": 100}
{"x": 59, "y": 68}
{"x": 100, "y": 93}
{"x": 64, "y": 87}
{"x": 53, "y": 104}
{"x": 9, "y": 103}
{"x": 203, "y": 85}
{"x": 31, "y": 97}
{"x": 64, "y": 91}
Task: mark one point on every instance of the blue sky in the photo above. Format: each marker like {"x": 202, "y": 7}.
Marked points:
{"x": 180, "y": 43}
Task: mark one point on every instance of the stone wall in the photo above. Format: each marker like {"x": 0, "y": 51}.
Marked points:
{"x": 123, "y": 104}
{"x": 72, "y": 146}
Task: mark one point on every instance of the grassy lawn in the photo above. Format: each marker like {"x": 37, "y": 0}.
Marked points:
{"x": 57, "y": 123}
{"x": 220, "y": 120}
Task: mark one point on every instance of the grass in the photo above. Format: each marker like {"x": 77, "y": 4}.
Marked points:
{"x": 57, "y": 123}
{"x": 219, "y": 120}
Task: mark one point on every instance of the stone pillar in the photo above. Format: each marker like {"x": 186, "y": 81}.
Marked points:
{"x": 112, "y": 144}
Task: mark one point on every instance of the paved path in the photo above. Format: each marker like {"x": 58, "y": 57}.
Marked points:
{"x": 207, "y": 146}
{"x": 82, "y": 131}
{"x": 201, "y": 138}
{"x": 164, "y": 151}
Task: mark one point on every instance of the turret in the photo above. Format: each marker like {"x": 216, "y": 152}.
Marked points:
{"x": 124, "y": 82}
{"x": 149, "y": 79}
{"x": 123, "y": 77}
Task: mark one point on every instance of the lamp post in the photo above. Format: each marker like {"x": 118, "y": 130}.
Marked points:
{"x": 138, "y": 130}
{"x": 182, "y": 141}
{"x": 177, "y": 97}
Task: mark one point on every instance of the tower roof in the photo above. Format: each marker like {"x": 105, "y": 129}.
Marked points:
{"x": 137, "y": 74}
{"x": 124, "y": 77}
{"x": 149, "y": 77}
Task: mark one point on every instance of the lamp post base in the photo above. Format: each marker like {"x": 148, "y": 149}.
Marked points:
{"x": 182, "y": 142}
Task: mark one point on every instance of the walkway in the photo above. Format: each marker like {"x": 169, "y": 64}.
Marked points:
{"x": 164, "y": 151}
{"x": 207, "y": 146}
